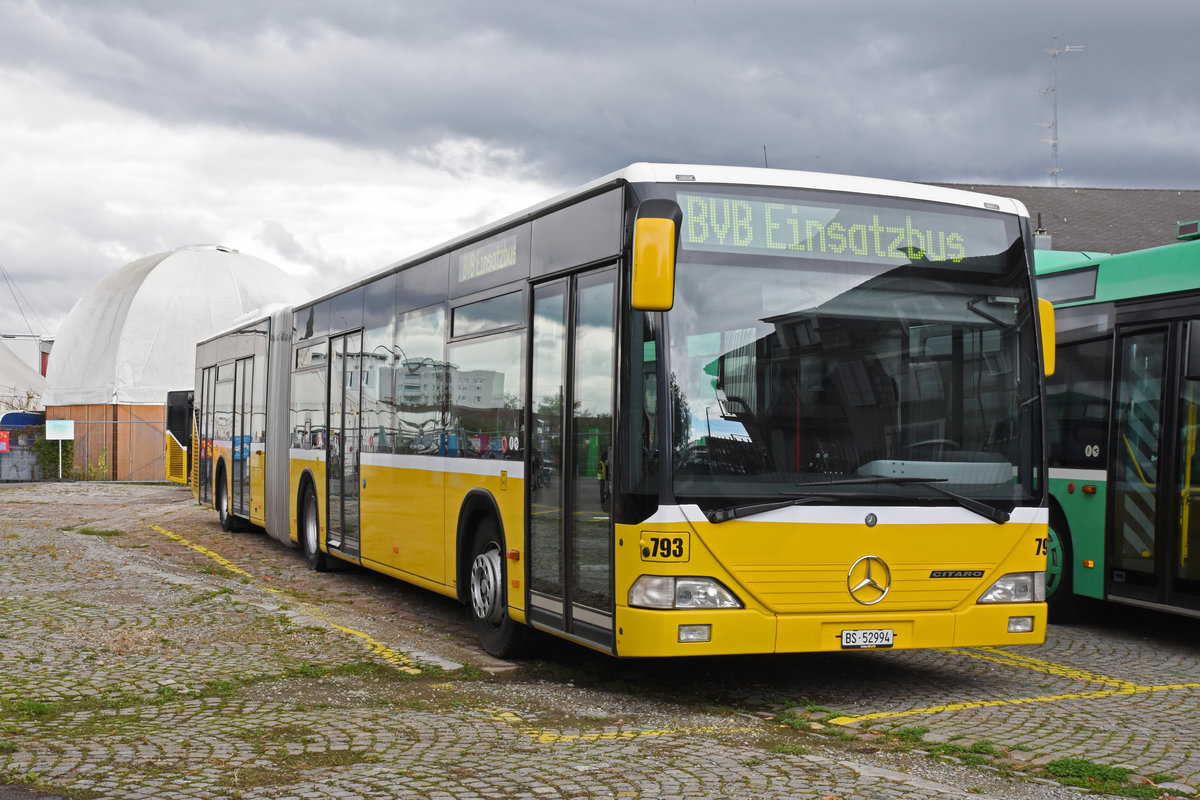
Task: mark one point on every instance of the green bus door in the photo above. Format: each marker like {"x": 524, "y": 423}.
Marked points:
{"x": 1154, "y": 540}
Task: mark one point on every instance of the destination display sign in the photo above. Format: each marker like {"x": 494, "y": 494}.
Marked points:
{"x": 495, "y": 255}
{"x": 850, "y": 231}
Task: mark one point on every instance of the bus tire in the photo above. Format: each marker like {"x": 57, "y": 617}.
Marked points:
{"x": 1062, "y": 604}
{"x": 310, "y": 531}
{"x": 500, "y": 634}
{"x": 222, "y": 500}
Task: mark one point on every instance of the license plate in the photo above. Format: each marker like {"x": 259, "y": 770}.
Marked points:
{"x": 872, "y": 637}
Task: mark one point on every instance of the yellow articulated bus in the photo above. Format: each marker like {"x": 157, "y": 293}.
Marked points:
{"x": 681, "y": 410}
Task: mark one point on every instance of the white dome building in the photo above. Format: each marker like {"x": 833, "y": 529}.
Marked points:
{"x": 131, "y": 339}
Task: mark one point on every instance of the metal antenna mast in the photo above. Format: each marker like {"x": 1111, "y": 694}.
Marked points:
{"x": 1054, "y": 52}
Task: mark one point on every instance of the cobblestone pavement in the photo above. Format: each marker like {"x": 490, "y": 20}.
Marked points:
{"x": 146, "y": 654}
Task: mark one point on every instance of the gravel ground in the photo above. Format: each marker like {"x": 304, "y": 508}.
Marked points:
{"x": 146, "y": 654}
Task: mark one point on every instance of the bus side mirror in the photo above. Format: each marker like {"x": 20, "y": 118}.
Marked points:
{"x": 1193, "y": 354}
{"x": 655, "y": 233}
{"x": 1046, "y": 315}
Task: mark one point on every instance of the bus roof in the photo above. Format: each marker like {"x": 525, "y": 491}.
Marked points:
{"x": 760, "y": 176}
{"x": 1139, "y": 273}
{"x": 264, "y": 313}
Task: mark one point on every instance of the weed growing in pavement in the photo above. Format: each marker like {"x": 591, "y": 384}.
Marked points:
{"x": 276, "y": 734}
{"x": 209, "y": 595}
{"x": 219, "y": 689}
{"x": 8, "y": 747}
{"x": 1162, "y": 777}
{"x": 803, "y": 713}
{"x": 219, "y": 572}
{"x": 790, "y": 749}
{"x": 912, "y": 736}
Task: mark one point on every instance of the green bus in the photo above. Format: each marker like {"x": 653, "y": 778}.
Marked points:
{"x": 1123, "y": 414}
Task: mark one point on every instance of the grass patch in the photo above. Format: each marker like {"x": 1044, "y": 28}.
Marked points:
{"x": 278, "y": 734}
{"x": 1098, "y": 778}
{"x": 30, "y": 709}
{"x": 106, "y": 533}
{"x": 288, "y": 769}
{"x": 975, "y": 754}
{"x": 358, "y": 669}
{"x": 790, "y": 749}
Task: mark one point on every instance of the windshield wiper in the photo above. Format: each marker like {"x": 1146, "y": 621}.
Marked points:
{"x": 750, "y": 509}
{"x": 996, "y": 515}
{"x": 990, "y": 513}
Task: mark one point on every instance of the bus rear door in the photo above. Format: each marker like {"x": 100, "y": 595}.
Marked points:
{"x": 345, "y": 401}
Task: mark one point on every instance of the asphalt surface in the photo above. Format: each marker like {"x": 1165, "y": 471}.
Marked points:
{"x": 146, "y": 654}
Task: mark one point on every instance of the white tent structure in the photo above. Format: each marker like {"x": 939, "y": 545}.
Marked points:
{"x": 20, "y": 384}
{"x": 131, "y": 339}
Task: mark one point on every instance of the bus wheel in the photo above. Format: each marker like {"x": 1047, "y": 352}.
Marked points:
{"x": 1061, "y": 603}
{"x": 310, "y": 532}
{"x": 499, "y": 633}
{"x": 222, "y": 498}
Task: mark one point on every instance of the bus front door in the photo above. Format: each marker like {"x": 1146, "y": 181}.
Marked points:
{"x": 1154, "y": 538}
{"x": 345, "y": 398}
{"x": 568, "y": 483}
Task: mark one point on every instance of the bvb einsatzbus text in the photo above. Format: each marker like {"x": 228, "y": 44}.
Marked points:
{"x": 732, "y": 224}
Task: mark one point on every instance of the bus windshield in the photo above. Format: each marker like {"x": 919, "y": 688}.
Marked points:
{"x": 856, "y": 348}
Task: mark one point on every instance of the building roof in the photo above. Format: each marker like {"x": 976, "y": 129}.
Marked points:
{"x": 132, "y": 337}
{"x": 1102, "y": 220}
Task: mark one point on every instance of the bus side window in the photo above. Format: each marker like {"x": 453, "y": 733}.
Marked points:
{"x": 1077, "y": 405}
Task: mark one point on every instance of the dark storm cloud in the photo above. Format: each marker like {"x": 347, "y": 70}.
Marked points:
{"x": 905, "y": 90}
{"x": 552, "y": 93}
{"x": 933, "y": 91}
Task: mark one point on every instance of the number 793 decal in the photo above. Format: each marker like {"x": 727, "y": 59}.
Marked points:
{"x": 665, "y": 546}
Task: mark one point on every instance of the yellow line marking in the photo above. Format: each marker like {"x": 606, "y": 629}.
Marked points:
{"x": 394, "y": 657}
{"x": 1115, "y": 687}
{"x": 227, "y": 564}
{"x": 1049, "y": 667}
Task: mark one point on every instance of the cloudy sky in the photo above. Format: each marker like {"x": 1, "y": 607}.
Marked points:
{"x": 332, "y": 138}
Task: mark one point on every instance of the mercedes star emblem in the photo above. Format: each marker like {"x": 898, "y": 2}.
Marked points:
{"x": 869, "y": 580}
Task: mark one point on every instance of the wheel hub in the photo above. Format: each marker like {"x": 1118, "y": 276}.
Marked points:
{"x": 486, "y": 586}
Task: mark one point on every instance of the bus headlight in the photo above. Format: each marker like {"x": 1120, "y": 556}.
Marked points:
{"x": 1017, "y": 587}
{"x": 664, "y": 591}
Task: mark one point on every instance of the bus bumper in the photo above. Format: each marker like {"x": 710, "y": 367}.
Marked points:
{"x": 650, "y": 633}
